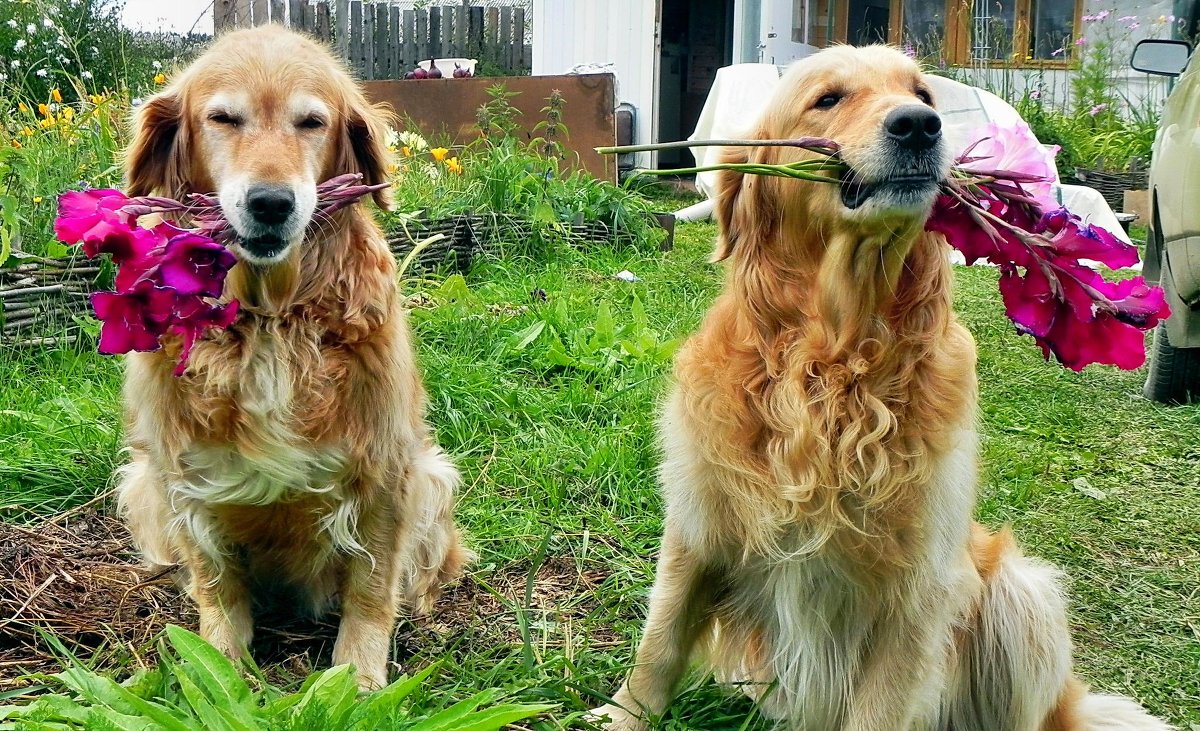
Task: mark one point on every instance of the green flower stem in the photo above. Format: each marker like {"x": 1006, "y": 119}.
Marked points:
{"x": 814, "y": 144}
{"x": 809, "y": 171}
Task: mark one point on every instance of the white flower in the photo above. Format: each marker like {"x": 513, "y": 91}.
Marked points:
{"x": 137, "y": 101}
{"x": 413, "y": 141}
{"x": 12, "y": 22}
{"x": 94, "y": 51}
{"x": 30, "y": 28}
{"x": 3, "y": 76}
{"x": 19, "y": 44}
{"x": 47, "y": 22}
{"x": 85, "y": 74}
{"x": 15, "y": 63}
{"x": 157, "y": 65}
{"x": 41, "y": 73}
{"x": 64, "y": 60}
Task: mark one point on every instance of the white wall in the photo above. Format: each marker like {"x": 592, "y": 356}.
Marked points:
{"x": 567, "y": 33}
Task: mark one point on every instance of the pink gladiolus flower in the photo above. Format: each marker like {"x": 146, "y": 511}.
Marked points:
{"x": 133, "y": 320}
{"x": 167, "y": 275}
{"x": 1102, "y": 14}
{"x": 994, "y": 209}
{"x": 1080, "y": 41}
{"x": 1097, "y": 109}
{"x": 192, "y": 264}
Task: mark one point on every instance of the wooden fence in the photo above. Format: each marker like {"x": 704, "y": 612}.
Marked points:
{"x": 380, "y": 41}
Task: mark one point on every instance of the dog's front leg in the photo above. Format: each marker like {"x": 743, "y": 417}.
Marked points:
{"x": 680, "y": 610}
{"x": 904, "y": 671}
{"x": 370, "y": 603}
{"x": 223, "y": 602}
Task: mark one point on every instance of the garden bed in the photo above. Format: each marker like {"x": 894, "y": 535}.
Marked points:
{"x": 78, "y": 577}
{"x": 43, "y": 299}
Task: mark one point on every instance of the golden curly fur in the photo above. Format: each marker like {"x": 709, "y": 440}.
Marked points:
{"x": 820, "y": 448}
{"x": 292, "y": 457}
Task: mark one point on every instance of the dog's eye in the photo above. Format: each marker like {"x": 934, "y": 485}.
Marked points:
{"x": 311, "y": 123}
{"x": 924, "y": 97}
{"x": 225, "y": 118}
{"x": 828, "y": 101}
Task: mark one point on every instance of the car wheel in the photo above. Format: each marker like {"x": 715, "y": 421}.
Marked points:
{"x": 1174, "y": 376}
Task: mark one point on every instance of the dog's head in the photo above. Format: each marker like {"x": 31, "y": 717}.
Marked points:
{"x": 261, "y": 118}
{"x": 876, "y": 104}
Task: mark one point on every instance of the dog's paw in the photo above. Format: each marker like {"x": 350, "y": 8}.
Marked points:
{"x": 615, "y": 718}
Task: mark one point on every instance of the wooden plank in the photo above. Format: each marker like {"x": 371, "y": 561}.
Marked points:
{"x": 396, "y": 50}
{"x": 242, "y": 13}
{"x": 504, "y": 48}
{"x": 341, "y": 12}
{"x": 422, "y": 35}
{"x": 258, "y": 12}
{"x": 435, "y": 33}
{"x": 382, "y": 67}
{"x": 475, "y": 32}
{"x": 491, "y": 31}
{"x": 410, "y": 40}
{"x": 355, "y": 37}
{"x": 277, "y": 12}
{"x": 223, "y": 16}
{"x": 460, "y": 31}
{"x": 368, "y": 42}
{"x": 521, "y": 59}
{"x": 322, "y": 22}
{"x": 308, "y": 13}
{"x": 295, "y": 18}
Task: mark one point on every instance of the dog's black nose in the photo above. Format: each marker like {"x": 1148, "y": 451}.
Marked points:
{"x": 270, "y": 204}
{"x": 914, "y": 127}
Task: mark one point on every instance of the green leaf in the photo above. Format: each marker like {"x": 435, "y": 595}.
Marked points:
{"x": 379, "y": 704}
{"x": 605, "y": 328}
{"x": 445, "y": 719}
{"x": 203, "y": 709}
{"x": 499, "y": 717}
{"x": 214, "y": 673}
{"x": 334, "y": 689}
{"x": 521, "y": 339}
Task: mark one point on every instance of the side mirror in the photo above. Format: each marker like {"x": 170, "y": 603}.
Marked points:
{"x": 1163, "y": 58}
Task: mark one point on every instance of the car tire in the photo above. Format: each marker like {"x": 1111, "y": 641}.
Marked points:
{"x": 1174, "y": 376}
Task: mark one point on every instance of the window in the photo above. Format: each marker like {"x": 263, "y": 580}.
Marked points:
{"x": 954, "y": 31}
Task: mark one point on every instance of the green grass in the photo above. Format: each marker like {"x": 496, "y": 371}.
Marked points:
{"x": 555, "y": 439}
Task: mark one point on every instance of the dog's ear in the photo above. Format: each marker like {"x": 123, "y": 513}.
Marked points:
{"x": 741, "y": 208}
{"x": 364, "y": 145}
{"x": 156, "y": 161}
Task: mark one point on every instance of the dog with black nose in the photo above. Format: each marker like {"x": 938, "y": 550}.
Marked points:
{"x": 292, "y": 456}
{"x": 819, "y": 454}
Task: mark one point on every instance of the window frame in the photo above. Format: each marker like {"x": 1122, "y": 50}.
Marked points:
{"x": 958, "y": 42}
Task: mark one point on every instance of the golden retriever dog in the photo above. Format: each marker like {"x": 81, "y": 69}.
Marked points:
{"x": 292, "y": 458}
{"x": 820, "y": 454}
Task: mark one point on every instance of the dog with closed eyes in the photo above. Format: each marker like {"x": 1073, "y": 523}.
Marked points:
{"x": 820, "y": 450}
{"x": 293, "y": 454}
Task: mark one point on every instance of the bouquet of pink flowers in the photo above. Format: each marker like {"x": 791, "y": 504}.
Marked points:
{"x": 170, "y": 278}
{"x": 997, "y": 205}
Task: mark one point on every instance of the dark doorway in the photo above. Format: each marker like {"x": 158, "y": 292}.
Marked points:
{"x": 697, "y": 39}
{"x": 868, "y": 22}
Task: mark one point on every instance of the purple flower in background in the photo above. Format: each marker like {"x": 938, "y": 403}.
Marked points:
{"x": 1097, "y": 109}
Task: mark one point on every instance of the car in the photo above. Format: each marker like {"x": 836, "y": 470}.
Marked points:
{"x": 1173, "y": 237}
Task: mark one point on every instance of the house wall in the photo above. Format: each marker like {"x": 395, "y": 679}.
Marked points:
{"x": 567, "y": 33}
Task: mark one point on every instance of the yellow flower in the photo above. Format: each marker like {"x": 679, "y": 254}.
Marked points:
{"x": 46, "y": 123}
{"x": 44, "y": 110}
{"x": 96, "y": 99}
{"x": 392, "y": 169}
{"x": 406, "y": 151}
{"x": 37, "y": 199}
{"x": 56, "y": 95}
{"x": 68, "y": 113}
{"x": 160, "y": 78}
{"x": 454, "y": 166}
{"x": 439, "y": 153}
{"x": 27, "y": 131}
{"x": 22, "y": 108}
{"x": 16, "y": 144}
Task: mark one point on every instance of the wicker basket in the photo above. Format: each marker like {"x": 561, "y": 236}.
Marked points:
{"x": 1113, "y": 185}
{"x": 455, "y": 251}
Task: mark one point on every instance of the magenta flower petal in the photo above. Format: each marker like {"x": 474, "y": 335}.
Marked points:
{"x": 1104, "y": 340}
{"x": 195, "y": 317}
{"x": 1029, "y": 300}
{"x": 125, "y": 244}
{"x": 1137, "y": 303}
{"x": 194, "y": 265}
{"x": 80, "y": 211}
{"x": 133, "y": 320}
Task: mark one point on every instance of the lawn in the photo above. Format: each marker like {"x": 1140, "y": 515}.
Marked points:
{"x": 551, "y": 422}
